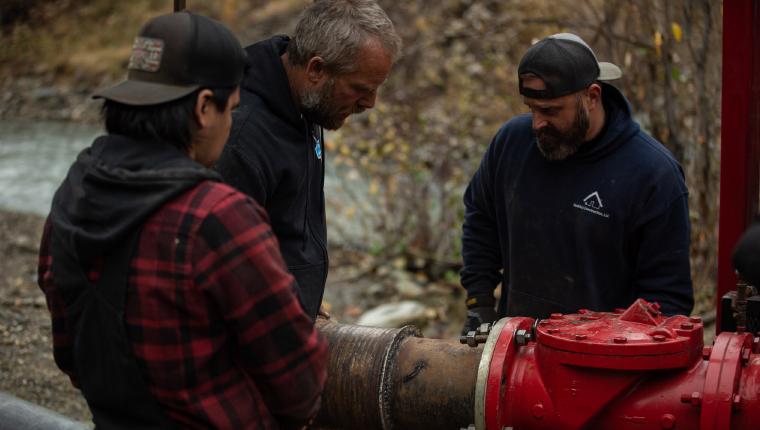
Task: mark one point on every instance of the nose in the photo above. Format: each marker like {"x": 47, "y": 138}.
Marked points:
{"x": 539, "y": 121}
{"x": 368, "y": 101}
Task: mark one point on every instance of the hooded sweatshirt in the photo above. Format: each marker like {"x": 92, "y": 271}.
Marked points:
{"x": 166, "y": 287}
{"x": 97, "y": 215}
{"x": 108, "y": 193}
{"x": 277, "y": 157}
{"x": 597, "y": 230}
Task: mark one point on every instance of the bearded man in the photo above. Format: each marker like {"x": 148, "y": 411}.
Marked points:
{"x": 340, "y": 54}
{"x": 573, "y": 205}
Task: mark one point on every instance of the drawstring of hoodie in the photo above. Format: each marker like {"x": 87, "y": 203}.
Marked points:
{"x": 309, "y": 138}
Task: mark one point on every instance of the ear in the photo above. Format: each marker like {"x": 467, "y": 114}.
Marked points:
{"x": 594, "y": 95}
{"x": 315, "y": 70}
{"x": 203, "y": 107}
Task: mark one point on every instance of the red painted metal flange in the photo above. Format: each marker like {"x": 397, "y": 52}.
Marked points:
{"x": 720, "y": 397}
{"x": 499, "y": 369}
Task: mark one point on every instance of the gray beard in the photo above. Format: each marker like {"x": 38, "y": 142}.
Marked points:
{"x": 318, "y": 107}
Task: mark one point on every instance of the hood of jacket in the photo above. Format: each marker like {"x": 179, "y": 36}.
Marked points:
{"x": 618, "y": 129}
{"x": 113, "y": 187}
{"x": 268, "y": 79}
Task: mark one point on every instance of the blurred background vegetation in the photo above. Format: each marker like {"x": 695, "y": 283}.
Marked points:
{"x": 399, "y": 170}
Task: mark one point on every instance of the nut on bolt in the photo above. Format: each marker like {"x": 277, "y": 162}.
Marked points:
{"x": 706, "y": 352}
{"x": 736, "y": 402}
{"x": 746, "y": 355}
{"x": 695, "y": 398}
{"x": 522, "y": 337}
{"x": 475, "y": 337}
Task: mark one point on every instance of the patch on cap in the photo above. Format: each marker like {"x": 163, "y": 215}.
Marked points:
{"x": 146, "y": 54}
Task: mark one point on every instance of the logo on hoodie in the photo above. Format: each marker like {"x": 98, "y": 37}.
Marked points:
{"x": 592, "y": 203}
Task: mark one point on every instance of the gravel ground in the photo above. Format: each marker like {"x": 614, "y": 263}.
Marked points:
{"x": 27, "y": 369}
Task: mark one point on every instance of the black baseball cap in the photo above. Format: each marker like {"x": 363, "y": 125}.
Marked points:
{"x": 176, "y": 54}
{"x": 566, "y": 64}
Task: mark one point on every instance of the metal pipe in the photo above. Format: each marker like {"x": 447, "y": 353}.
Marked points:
{"x": 394, "y": 379}
{"x": 435, "y": 376}
{"x": 19, "y": 414}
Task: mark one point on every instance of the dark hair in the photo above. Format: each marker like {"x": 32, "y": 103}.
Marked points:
{"x": 171, "y": 122}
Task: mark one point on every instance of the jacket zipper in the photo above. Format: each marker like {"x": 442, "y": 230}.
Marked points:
{"x": 307, "y": 224}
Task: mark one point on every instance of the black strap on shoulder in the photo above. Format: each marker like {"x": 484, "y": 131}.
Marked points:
{"x": 107, "y": 371}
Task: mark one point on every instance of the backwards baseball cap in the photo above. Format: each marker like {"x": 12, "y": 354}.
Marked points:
{"x": 176, "y": 54}
{"x": 566, "y": 64}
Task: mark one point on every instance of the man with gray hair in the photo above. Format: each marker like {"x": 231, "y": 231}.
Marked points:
{"x": 340, "y": 54}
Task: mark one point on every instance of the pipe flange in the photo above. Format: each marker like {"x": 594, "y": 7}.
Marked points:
{"x": 386, "y": 375}
{"x": 483, "y": 367}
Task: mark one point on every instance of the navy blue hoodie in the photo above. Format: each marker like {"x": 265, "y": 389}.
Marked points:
{"x": 597, "y": 230}
{"x": 275, "y": 156}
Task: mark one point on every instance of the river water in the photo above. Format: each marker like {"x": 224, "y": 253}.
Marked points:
{"x": 35, "y": 156}
{"x": 34, "y": 159}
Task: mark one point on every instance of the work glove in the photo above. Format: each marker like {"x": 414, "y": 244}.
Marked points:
{"x": 479, "y": 311}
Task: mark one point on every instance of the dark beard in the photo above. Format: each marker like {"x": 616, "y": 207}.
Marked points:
{"x": 555, "y": 145}
{"x": 318, "y": 107}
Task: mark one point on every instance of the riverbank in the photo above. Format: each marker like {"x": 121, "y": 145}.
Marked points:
{"x": 44, "y": 97}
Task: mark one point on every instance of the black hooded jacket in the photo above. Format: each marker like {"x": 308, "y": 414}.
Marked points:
{"x": 97, "y": 215}
{"x": 277, "y": 157}
{"x": 113, "y": 187}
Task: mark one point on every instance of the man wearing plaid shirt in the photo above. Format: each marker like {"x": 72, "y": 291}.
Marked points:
{"x": 170, "y": 302}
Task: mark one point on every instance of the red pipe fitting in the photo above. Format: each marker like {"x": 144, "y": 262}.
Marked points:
{"x": 628, "y": 370}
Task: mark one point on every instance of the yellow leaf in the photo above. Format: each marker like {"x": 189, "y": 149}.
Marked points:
{"x": 373, "y": 187}
{"x": 658, "y": 43}
{"x": 421, "y": 24}
{"x": 677, "y": 31}
{"x": 344, "y": 150}
{"x": 350, "y": 212}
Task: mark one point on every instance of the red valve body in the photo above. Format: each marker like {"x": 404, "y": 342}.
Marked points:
{"x": 633, "y": 369}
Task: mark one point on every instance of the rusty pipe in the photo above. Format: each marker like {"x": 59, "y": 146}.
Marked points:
{"x": 394, "y": 379}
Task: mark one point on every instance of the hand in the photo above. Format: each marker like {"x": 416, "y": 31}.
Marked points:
{"x": 477, "y": 316}
{"x": 322, "y": 313}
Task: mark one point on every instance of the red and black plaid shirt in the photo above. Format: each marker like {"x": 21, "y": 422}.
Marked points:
{"x": 212, "y": 315}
